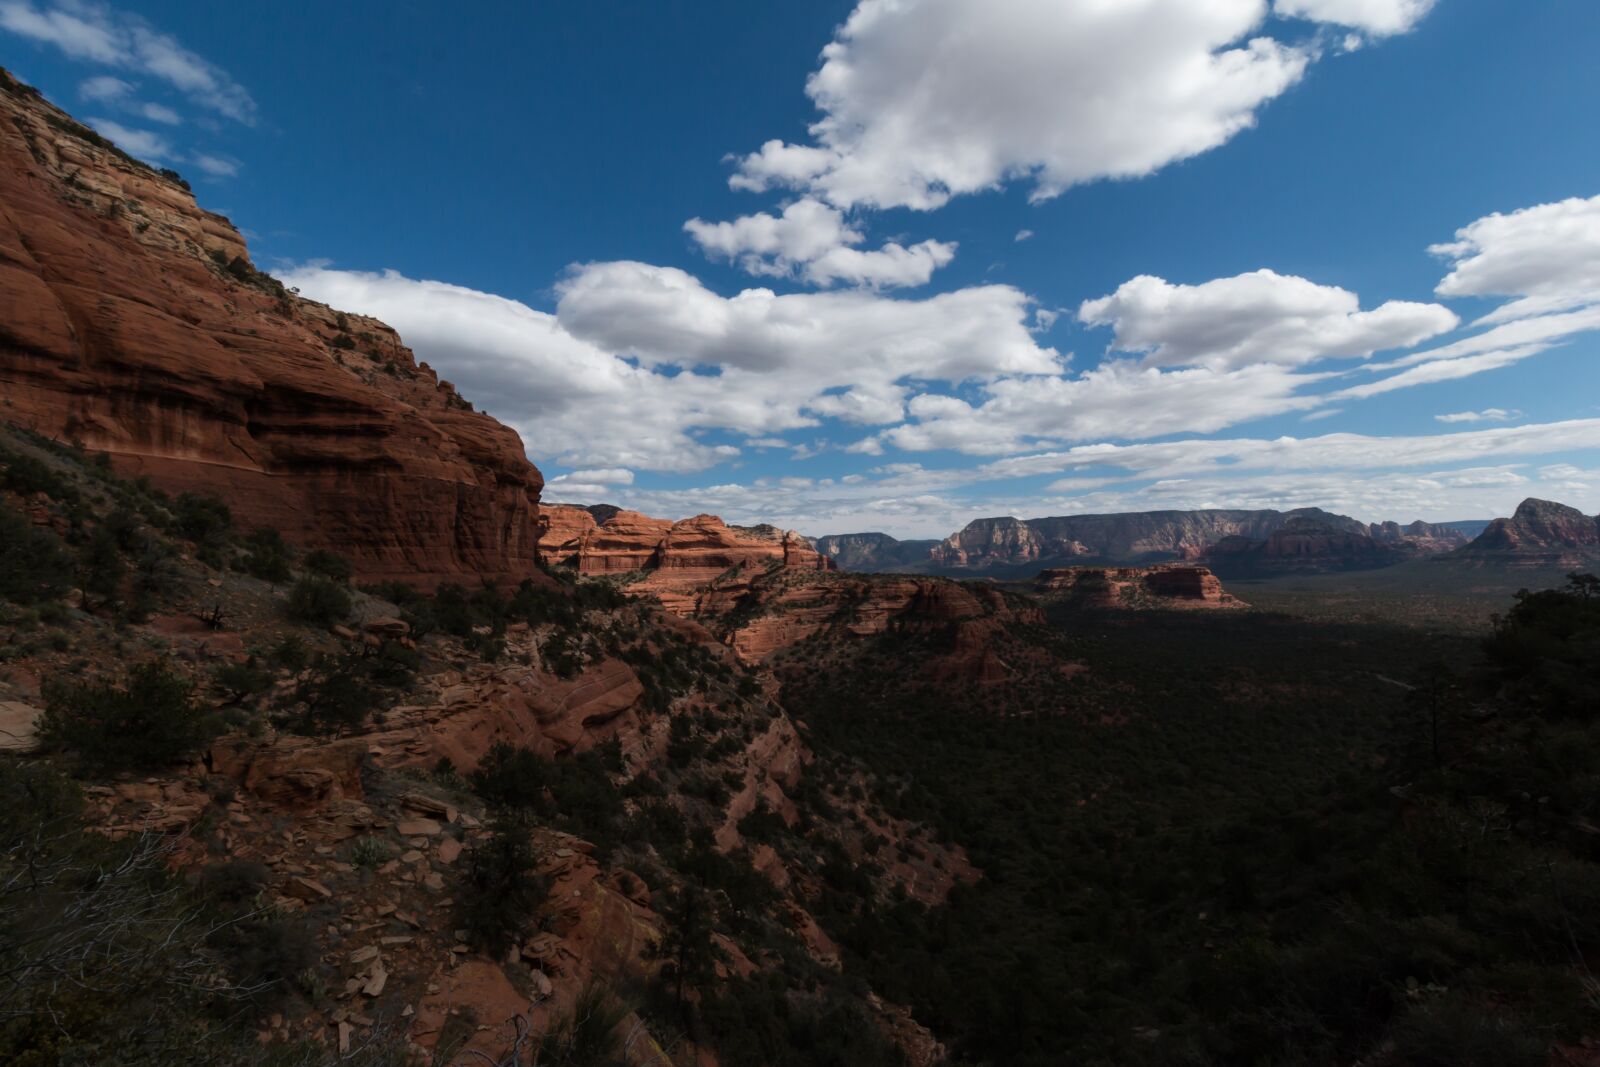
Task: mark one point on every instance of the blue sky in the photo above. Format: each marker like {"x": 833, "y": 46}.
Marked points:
{"x": 897, "y": 264}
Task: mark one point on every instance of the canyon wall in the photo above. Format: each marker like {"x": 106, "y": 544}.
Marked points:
{"x": 132, "y": 321}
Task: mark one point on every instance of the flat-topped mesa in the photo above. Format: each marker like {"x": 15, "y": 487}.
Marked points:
{"x": 1124, "y": 537}
{"x": 1173, "y": 585}
{"x": 1538, "y": 533}
{"x": 1141, "y": 537}
{"x": 132, "y": 321}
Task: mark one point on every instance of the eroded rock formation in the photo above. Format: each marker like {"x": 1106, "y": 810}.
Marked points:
{"x": 761, "y": 614}
{"x": 1539, "y": 533}
{"x": 672, "y": 561}
{"x": 132, "y": 321}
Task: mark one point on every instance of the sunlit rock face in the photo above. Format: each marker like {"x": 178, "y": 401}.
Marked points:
{"x": 132, "y": 321}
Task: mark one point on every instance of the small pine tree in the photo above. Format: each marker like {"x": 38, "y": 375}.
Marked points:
{"x": 148, "y": 723}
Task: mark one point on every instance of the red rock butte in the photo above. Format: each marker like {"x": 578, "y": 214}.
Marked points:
{"x": 132, "y": 322}
{"x": 676, "y": 559}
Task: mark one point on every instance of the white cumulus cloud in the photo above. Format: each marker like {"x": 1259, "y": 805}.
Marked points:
{"x": 811, "y": 240}
{"x": 1260, "y": 317}
{"x": 640, "y": 361}
{"x": 1547, "y": 257}
{"x": 1380, "y": 18}
{"x": 925, "y": 99}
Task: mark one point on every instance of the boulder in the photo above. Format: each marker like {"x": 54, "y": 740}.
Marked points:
{"x": 18, "y": 726}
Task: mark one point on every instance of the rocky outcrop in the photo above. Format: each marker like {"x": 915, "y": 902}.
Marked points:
{"x": 1175, "y": 585}
{"x": 515, "y": 704}
{"x": 19, "y": 726}
{"x": 873, "y": 551}
{"x": 293, "y": 772}
{"x": 760, "y": 615}
{"x": 132, "y": 321}
{"x": 1540, "y": 533}
{"x": 562, "y": 528}
{"x": 671, "y": 561}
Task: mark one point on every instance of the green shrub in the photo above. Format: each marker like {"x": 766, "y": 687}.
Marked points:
{"x": 391, "y": 664}
{"x": 320, "y": 561}
{"x": 102, "y": 566}
{"x": 587, "y": 1035}
{"x": 336, "y": 695}
{"x": 501, "y": 888}
{"x": 510, "y": 777}
{"x": 318, "y": 601}
{"x": 148, "y": 723}
{"x": 369, "y": 853}
{"x": 575, "y": 794}
{"x": 238, "y": 682}
{"x": 202, "y": 519}
{"x": 270, "y": 557}
{"x": 26, "y": 475}
{"x": 34, "y": 564}
{"x": 38, "y": 802}
{"x": 291, "y": 653}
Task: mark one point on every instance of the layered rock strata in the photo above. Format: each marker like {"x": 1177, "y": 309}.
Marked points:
{"x": 132, "y": 321}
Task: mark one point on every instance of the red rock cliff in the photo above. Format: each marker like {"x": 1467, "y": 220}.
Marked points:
{"x": 131, "y": 320}
{"x": 676, "y": 559}
{"x": 1538, "y": 533}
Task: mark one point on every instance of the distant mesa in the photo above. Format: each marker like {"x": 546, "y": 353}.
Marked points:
{"x": 874, "y": 551}
{"x": 1306, "y": 542}
{"x": 1230, "y": 541}
{"x": 1540, "y": 533}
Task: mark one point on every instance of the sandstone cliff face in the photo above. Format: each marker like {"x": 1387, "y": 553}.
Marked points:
{"x": 1539, "y": 533}
{"x": 132, "y": 321}
{"x": 1125, "y": 537}
{"x": 1135, "y": 537}
{"x": 673, "y": 561}
{"x": 562, "y": 528}
{"x": 1168, "y": 586}
{"x": 873, "y": 551}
